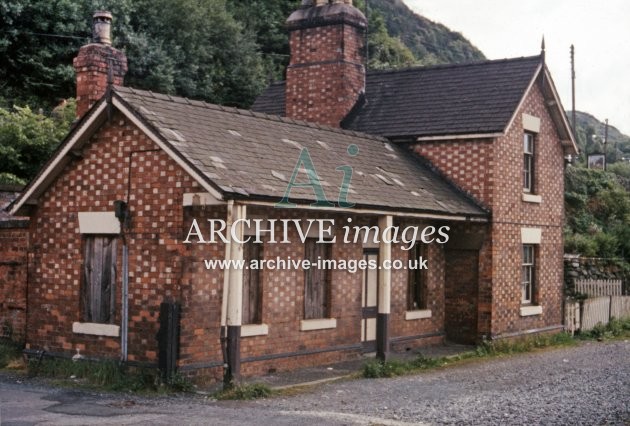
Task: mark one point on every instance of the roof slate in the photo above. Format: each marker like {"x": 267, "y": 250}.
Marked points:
{"x": 440, "y": 100}
{"x": 253, "y": 155}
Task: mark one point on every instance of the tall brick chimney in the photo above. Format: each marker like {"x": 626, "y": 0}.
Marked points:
{"x": 326, "y": 73}
{"x": 93, "y": 62}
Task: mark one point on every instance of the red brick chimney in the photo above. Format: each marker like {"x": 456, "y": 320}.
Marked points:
{"x": 93, "y": 62}
{"x": 326, "y": 73}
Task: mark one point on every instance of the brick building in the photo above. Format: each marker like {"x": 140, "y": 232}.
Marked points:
{"x": 121, "y": 216}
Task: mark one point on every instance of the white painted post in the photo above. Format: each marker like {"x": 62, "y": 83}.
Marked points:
{"x": 384, "y": 287}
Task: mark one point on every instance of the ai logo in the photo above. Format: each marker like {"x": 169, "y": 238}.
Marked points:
{"x": 305, "y": 161}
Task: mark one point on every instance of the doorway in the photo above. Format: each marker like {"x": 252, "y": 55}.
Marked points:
{"x": 461, "y": 295}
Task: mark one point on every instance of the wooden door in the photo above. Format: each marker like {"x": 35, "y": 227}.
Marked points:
{"x": 99, "y": 278}
{"x": 369, "y": 302}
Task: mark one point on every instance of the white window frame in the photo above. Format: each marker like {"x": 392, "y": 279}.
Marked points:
{"x": 528, "y": 162}
{"x": 528, "y": 269}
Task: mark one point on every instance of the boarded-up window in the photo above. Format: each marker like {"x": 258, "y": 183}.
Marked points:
{"x": 316, "y": 280}
{"x": 252, "y": 284}
{"x": 417, "y": 287}
{"x": 99, "y": 278}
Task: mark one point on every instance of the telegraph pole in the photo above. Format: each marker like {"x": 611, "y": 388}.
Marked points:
{"x": 605, "y": 144}
{"x": 573, "y": 89}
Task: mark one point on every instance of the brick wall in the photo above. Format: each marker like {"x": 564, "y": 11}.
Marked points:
{"x": 286, "y": 347}
{"x": 469, "y": 164}
{"x": 118, "y": 157}
{"x": 161, "y": 268}
{"x": 510, "y": 213}
{"x": 491, "y": 171}
{"x": 13, "y": 274}
{"x": 326, "y": 73}
{"x": 411, "y": 333}
{"x": 91, "y": 67}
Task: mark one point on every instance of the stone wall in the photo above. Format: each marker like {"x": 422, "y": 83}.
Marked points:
{"x": 589, "y": 268}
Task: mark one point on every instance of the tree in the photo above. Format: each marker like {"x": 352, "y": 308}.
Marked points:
{"x": 265, "y": 20}
{"x": 192, "y": 48}
{"x": 27, "y": 139}
{"x": 385, "y": 51}
{"x": 37, "y": 43}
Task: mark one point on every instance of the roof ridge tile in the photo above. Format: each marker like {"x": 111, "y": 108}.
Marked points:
{"x": 240, "y": 111}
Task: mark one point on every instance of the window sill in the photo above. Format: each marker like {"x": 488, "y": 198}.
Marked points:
{"x": 527, "y": 311}
{"x": 249, "y": 330}
{"x": 318, "y": 324}
{"x": 419, "y": 314}
{"x": 96, "y": 329}
{"x": 531, "y": 198}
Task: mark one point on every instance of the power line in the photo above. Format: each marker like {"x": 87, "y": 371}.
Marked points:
{"x": 47, "y": 35}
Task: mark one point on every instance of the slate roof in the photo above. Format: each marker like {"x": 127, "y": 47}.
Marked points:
{"x": 250, "y": 155}
{"x": 433, "y": 101}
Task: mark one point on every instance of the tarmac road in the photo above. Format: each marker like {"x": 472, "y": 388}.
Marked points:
{"x": 587, "y": 384}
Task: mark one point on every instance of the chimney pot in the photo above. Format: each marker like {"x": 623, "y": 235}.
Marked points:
{"x": 98, "y": 64}
{"x": 101, "y": 27}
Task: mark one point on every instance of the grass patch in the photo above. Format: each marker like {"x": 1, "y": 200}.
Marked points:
{"x": 377, "y": 369}
{"x": 245, "y": 392}
{"x": 10, "y": 355}
{"x": 506, "y": 347}
{"x": 107, "y": 375}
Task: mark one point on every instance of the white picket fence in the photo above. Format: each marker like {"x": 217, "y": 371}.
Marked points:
{"x": 571, "y": 316}
{"x": 620, "y": 307}
{"x": 605, "y": 301}
{"x": 596, "y": 288}
{"x": 593, "y": 311}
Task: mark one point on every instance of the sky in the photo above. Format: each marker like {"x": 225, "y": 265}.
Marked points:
{"x": 600, "y": 31}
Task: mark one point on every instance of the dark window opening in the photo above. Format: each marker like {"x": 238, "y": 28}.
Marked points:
{"x": 417, "y": 286}
{"x": 316, "y": 280}
{"x": 252, "y": 284}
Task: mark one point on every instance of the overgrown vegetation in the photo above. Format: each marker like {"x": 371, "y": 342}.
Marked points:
{"x": 10, "y": 354}
{"x": 245, "y": 392}
{"x": 597, "y": 202}
{"x": 598, "y": 214}
{"x": 107, "y": 375}
{"x": 614, "y": 329}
